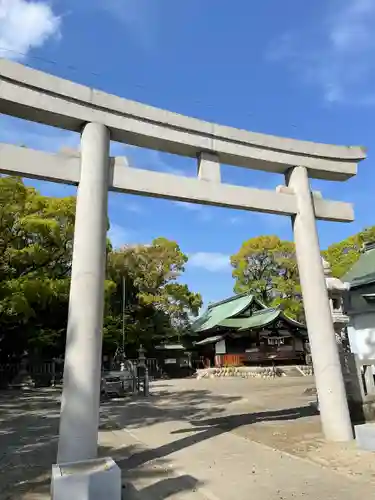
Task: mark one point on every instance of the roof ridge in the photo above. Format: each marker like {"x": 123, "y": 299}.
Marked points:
{"x": 262, "y": 304}
{"x": 362, "y": 269}
{"x": 362, "y": 279}
{"x": 266, "y": 310}
{"x": 229, "y": 299}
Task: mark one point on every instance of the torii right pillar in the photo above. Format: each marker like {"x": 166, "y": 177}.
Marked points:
{"x": 334, "y": 410}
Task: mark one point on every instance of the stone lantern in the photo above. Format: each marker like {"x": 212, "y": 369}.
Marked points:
{"x": 142, "y": 371}
{"x": 336, "y": 291}
{"x": 141, "y": 356}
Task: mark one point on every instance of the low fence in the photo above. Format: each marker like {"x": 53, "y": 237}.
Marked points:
{"x": 43, "y": 374}
{"x": 50, "y": 373}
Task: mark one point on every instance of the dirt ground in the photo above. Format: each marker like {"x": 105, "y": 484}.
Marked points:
{"x": 276, "y": 413}
{"x": 294, "y": 428}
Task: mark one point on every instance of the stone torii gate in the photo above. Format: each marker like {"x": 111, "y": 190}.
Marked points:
{"x": 100, "y": 117}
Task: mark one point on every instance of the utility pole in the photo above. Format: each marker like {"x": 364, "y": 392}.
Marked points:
{"x": 123, "y": 316}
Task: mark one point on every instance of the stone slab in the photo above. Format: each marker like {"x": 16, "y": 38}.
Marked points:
{"x": 97, "y": 479}
{"x": 365, "y": 436}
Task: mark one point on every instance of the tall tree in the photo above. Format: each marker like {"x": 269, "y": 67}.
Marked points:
{"x": 344, "y": 254}
{"x": 35, "y": 254}
{"x": 36, "y": 242}
{"x": 266, "y": 266}
{"x": 157, "y": 305}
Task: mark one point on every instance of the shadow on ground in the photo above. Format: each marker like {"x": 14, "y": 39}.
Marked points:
{"x": 29, "y": 429}
{"x": 164, "y": 406}
{"x": 29, "y": 424}
{"x": 162, "y": 489}
{"x": 209, "y": 428}
{"x": 28, "y": 438}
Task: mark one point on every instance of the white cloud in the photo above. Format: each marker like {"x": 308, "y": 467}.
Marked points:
{"x": 36, "y": 136}
{"x": 24, "y": 25}
{"x": 118, "y": 235}
{"x": 210, "y": 261}
{"x": 203, "y": 212}
{"x": 338, "y": 56}
{"x": 351, "y": 28}
{"x": 149, "y": 159}
{"x": 160, "y": 164}
{"x": 124, "y": 204}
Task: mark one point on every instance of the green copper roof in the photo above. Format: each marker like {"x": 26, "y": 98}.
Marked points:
{"x": 363, "y": 271}
{"x": 261, "y": 319}
{"x": 221, "y": 311}
{"x": 258, "y": 319}
{"x": 224, "y": 314}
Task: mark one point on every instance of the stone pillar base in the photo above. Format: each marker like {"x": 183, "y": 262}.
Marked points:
{"x": 98, "y": 479}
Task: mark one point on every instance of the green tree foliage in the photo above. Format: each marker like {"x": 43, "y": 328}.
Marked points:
{"x": 35, "y": 255}
{"x": 157, "y": 305}
{"x": 343, "y": 255}
{"x": 266, "y": 266}
{"x": 36, "y": 243}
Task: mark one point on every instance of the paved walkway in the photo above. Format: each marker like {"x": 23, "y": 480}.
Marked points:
{"x": 186, "y": 442}
{"x": 188, "y": 450}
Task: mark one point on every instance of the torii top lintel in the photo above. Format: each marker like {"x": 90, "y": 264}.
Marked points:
{"x": 40, "y": 97}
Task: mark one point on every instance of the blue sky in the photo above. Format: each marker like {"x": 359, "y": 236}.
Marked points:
{"x": 292, "y": 68}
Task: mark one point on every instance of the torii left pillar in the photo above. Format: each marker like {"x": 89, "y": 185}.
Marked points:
{"x": 79, "y": 419}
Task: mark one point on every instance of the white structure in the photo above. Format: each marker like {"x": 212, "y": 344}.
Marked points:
{"x": 99, "y": 117}
{"x": 354, "y": 344}
{"x": 361, "y": 332}
{"x": 336, "y": 291}
{"x": 93, "y": 480}
{"x": 360, "y": 307}
{"x": 360, "y": 303}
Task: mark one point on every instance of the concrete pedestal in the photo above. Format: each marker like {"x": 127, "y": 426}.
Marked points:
{"x": 365, "y": 436}
{"x": 98, "y": 479}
